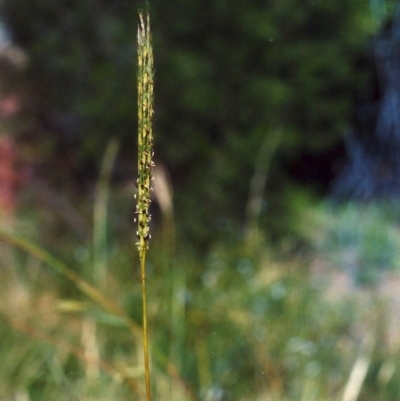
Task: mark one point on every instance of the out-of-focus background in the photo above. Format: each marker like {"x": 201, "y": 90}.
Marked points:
{"x": 275, "y": 254}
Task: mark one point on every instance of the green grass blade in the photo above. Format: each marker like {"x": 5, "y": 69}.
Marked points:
{"x": 100, "y": 214}
{"x": 86, "y": 288}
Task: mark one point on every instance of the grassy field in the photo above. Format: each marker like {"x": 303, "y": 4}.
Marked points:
{"x": 241, "y": 322}
{"x": 312, "y": 316}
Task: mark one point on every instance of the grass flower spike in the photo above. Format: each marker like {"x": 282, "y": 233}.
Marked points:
{"x": 145, "y": 134}
{"x": 145, "y": 165}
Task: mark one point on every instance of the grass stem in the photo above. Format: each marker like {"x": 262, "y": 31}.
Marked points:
{"x": 145, "y": 165}
{"x": 145, "y": 331}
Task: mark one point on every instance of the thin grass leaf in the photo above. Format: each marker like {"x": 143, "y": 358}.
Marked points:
{"x": 86, "y": 288}
{"x": 100, "y": 213}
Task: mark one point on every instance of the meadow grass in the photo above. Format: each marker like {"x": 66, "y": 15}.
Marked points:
{"x": 241, "y": 322}
{"x": 252, "y": 326}
{"x": 253, "y": 329}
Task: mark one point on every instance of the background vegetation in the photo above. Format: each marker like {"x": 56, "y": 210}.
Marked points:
{"x": 243, "y": 89}
{"x": 229, "y": 75}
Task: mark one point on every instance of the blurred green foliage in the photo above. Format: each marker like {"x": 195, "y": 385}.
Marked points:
{"x": 363, "y": 240}
{"x": 228, "y": 73}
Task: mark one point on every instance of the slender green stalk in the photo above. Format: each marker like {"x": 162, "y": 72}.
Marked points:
{"x": 258, "y": 184}
{"x": 100, "y": 214}
{"x": 145, "y": 164}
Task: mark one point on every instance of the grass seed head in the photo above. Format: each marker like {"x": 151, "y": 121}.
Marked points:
{"x": 145, "y": 133}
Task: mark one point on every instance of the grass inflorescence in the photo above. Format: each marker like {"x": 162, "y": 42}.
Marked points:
{"x": 145, "y": 165}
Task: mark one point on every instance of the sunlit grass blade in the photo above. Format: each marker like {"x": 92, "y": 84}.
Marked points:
{"x": 86, "y": 288}
{"x": 359, "y": 371}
